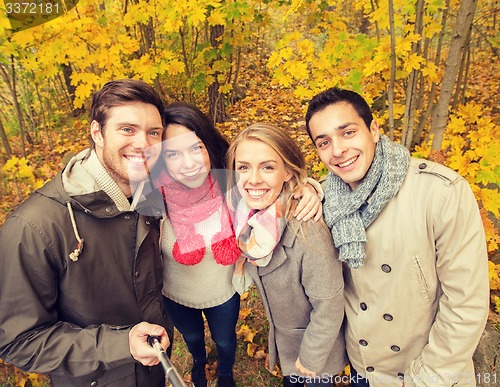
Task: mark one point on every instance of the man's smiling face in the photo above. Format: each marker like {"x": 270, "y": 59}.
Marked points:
{"x": 126, "y": 146}
{"x": 345, "y": 144}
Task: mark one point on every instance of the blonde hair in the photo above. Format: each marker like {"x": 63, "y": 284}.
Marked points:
{"x": 283, "y": 145}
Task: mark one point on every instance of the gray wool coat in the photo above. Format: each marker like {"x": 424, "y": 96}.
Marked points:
{"x": 302, "y": 290}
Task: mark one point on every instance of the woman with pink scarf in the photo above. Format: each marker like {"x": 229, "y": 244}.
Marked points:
{"x": 197, "y": 238}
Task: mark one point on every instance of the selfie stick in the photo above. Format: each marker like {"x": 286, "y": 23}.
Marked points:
{"x": 170, "y": 372}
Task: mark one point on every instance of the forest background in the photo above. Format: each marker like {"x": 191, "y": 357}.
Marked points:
{"x": 429, "y": 69}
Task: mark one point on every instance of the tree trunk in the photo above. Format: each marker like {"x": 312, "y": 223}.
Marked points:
{"x": 215, "y": 97}
{"x": 430, "y": 99}
{"x": 411, "y": 88}
{"x": 459, "y": 96}
{"x": 374, "y": 5}
{"x": 464, "y": 20}
{"x": 67, "y": 72}
{"x": 5, "y": 140}
{"x": 45, "y": 121}
{"x": 392, "y": 81}
{"x": 12, "y": 88}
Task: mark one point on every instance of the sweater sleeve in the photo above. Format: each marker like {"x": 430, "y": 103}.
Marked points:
{"x": 32, "y": 337}
{"x": 324, "y": 286}
{"x": 463, "y": 307}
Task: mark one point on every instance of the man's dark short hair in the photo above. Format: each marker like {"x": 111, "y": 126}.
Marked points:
{"x": 333, "y": 96}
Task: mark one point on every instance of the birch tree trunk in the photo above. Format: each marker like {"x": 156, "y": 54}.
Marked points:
{"x": 464, "y": 20}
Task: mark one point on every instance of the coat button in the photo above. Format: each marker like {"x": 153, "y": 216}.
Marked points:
{"x": 127, "y": 217}
{"x": 401, "y": 375}
{"x": 94, "y": 383}
{"x": 363, "y": 306}
{"x": 370, "y": 369}
{"x": 148, "y": 222}
{"x": 386, "y": 268}
{"x": 395, "y": 348}
{"x": 108, "y": 209}
{"x": 362, "y": 342}
{"x": 388, "y": 317}
{"x": 422, "y": 166}
{"x": 136, "y": 273}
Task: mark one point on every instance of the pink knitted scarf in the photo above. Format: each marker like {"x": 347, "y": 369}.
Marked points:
{"x": 189, "y": 206}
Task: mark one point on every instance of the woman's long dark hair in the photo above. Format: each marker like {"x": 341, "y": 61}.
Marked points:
{"x": 194, "y": 119}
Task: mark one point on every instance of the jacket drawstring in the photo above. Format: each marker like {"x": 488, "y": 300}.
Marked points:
{"x": 76, "y": 253}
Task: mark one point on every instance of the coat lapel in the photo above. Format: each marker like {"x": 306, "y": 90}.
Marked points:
{"x": 279, "y": 255}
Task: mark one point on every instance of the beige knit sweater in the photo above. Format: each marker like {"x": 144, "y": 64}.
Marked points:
{"x": 204, "y": 285}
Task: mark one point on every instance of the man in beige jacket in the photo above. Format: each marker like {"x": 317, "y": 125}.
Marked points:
{"x": 412, "y": 240}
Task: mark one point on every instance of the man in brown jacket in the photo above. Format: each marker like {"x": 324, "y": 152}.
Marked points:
{"x": 80, "y": 267}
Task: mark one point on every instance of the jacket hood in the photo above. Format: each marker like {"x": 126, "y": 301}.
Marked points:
{"x": 74, "y": 185}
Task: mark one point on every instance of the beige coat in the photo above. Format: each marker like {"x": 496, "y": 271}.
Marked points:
{"x": 419, "y": 304}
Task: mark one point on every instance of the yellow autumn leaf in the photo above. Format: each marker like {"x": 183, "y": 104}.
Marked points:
{"x": 303, "y": 93}
{"x": 274, "y": 60}
{"x": 306, "y": 48}
{"x": 251, "y": 348}
{"x": 4, "y": 20}
{"x": 490, "y": 198}
{"x": 197, "y": 16}
{"x": 175, "y": 67}
{"x": 493, "y": 273}
{"x": 244, "y": 312}
{"x": 413, "y": 62}
{"x": 217, "y": 17}
{"x": 244, "y": 296}
{"x": 430, "y": 71}
{"x": 25, "y": 172}
{"x": 472, "y": 112}
{"x": 23, "y": 38}
{"x": 293, "y": 36}
{"x": 247, "y": 333}
{"x": 297, "y": 69}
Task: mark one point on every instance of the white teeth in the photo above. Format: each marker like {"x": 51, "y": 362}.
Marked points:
{"x": 256, "y": 193}
{"x": 348, "y": 162}
{"x": 190, "y": 174}
{"x": 136, "y": 159}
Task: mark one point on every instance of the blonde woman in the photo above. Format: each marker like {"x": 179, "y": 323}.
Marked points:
{"x": 197, "y": 238}
{"x": 293, "y": 264}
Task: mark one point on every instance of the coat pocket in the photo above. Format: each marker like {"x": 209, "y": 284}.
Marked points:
{"x": 426, "y": 283}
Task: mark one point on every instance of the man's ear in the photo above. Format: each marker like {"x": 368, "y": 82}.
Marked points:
{"x": 375, "y": 131}
{"x": 96, "y": 133}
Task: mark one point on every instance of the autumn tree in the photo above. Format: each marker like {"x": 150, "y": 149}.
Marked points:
{"x": 457, "y": 46}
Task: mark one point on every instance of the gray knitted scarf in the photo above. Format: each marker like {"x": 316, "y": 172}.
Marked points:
{"x": 348, "y": 213}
